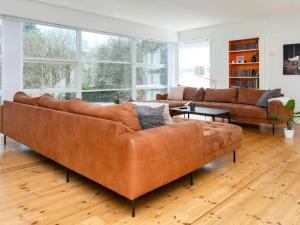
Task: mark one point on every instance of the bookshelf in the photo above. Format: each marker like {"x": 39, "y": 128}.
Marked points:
{"x": 244, "y": 63}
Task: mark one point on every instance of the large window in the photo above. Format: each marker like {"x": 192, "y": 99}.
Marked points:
{"x": 95, "y": 66}
{"x": 195, "y": 63}
{"x": 152, "y": 71}
{"x": 49, "y": 58}
{"x": 105, "y": 67}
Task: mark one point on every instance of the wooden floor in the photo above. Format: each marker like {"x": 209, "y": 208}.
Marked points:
{"x": 263, "y": 187}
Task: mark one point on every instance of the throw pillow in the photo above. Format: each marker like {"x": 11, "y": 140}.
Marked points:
{"x": 176, "y": 93}
{"x": 166, "y": 113}
{"x": 150, "y": 117}
{"x": 263, "y": 100}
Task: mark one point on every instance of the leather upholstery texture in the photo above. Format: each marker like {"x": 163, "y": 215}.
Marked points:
{"x": 48, "y": 101}
{"x": 129, "y": 162}
{"x": 249, "y": 96}
{"x": 221, "y": 95}
{"x": 22, "y": 97}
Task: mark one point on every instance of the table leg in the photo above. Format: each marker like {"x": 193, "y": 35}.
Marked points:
{"x": 188, "y": 115}
{"x": 214, "y": 118}
{"x": 229, "y": 117}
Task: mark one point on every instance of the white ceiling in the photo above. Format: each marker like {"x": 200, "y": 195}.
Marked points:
{"x": 178, "y": 15}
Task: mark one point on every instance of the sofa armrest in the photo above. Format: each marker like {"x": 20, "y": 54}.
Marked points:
{"x": 277, "y": 111}
{"x": 162, "y": 96}
{"x": 160, "y": 155}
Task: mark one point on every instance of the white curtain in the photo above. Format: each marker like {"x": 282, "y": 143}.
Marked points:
{"x": 194, "y": 54}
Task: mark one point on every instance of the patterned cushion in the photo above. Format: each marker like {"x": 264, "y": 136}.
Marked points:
{"x": 150, "y": 117}
{"x": 176, "y": 93}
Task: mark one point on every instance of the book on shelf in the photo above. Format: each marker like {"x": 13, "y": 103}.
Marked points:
{"x": 244, "y": 73}
{"x": 244, "y": 46}
{"x": 245, "y": 84}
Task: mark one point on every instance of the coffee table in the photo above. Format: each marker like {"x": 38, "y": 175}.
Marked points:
{"x": 203, "y": 112}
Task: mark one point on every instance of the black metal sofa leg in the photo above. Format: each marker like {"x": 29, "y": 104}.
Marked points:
{"x": 67, "y": 175}
{"x": 4, "y": 139}
{"x": 234, "y": 156}
{"x": 133, "y": 208}
{"x": 191, "y": 179}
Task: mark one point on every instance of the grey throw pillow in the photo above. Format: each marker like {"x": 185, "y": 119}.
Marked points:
{"x": 150, "y": 117}
{"x": 263, "y": 100}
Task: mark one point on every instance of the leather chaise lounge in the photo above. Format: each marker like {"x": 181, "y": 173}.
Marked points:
{"x": 106, "y": 143}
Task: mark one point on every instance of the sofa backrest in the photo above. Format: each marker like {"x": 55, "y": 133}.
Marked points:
{"x": 193, "y": 94}
{"x": 249, "y": 96}
{"x": 124, "y": 113}
{"x": 227, "y": 95}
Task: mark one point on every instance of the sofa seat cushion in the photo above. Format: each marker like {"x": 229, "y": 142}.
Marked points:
{"x": 193, "y": 94}
{"x": 249, "y": 96}
{"x": 172, "y": 103}
{"x": 23, "y": 98}
{"x": 221, "y": 95}
{"x": 50, "y": 102}
{"x": 124, "y": 113}
{"x": 239, "y": 110}
{"x": 218, "y": 135}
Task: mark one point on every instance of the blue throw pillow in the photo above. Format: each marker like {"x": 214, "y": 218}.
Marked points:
{"x": 150, "y": 117}
{"x": 263, "y": 100}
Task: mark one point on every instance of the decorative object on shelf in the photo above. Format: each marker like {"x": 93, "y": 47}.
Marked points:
{"x": 240, "y": 59}
{"x": 117, "y": 99}
{"x": 200, "y": 72}
{"x": 244, "y": 63}
{"x": 254, "y": 58}
{"x": 291, "y": 59}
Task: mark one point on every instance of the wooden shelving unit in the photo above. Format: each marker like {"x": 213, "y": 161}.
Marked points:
{"x": 244, "y": 74}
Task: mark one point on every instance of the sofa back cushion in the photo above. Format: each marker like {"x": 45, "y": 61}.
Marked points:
{"x": 249, "y": 96}
{"x": 176, "y": 93}
{"x": 193, "y": 94}
{"x": 22, "y": 97}
{"x": 221, "y": 95}
{"x": 124, "y": 113}
{"x": 50, "y": 102}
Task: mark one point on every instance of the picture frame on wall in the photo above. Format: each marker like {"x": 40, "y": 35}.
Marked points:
{"x": 291, "y": 59}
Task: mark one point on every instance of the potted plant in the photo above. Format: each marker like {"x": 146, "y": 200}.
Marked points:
{"x": 290, "y": 106}
{"x": 289, "y": 131}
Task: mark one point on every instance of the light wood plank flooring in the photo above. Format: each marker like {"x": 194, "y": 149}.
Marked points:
{"x": 263, "y": 187}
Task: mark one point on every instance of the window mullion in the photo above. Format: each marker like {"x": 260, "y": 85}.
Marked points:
{"x": 133, "y": 69}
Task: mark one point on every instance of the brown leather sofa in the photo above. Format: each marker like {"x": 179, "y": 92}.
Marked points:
{"x": 106, "y": 143}
{"x": 242, "y": 101}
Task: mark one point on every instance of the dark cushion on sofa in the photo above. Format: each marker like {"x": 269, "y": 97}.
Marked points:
{"x": 193, "y": 94}
{"x": 220, "y": 95}
{"x": 249, "y": 96}
{"x": 150, "y": 117}
{"x": 263, "y": 100}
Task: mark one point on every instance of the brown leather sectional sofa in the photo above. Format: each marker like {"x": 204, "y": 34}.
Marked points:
{"x": 106, "y": 143}
{"x": 242, "y": 101}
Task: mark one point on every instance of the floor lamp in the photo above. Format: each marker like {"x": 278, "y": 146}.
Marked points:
{"x": 200, "y": 72}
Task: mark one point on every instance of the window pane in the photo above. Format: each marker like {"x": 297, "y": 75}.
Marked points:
{"x": 194, "y": 54}
{"x": 105, "y": 47}
{"x": 146, "y": 95}
{"x": 151, "y": 52}
{"x": 0, "y": 37}
{"x": 105, "y": 76}
{"x": 152, "y": 77}
{"x": 45, "y": 75}
{"x": 65, "y": 96}
{"x": 49, "y": 42}
{"x": 106, "y": 96}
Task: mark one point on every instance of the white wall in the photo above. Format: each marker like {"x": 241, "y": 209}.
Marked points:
{"x": 63, "y": 16}
{"x": 273, "y": 33}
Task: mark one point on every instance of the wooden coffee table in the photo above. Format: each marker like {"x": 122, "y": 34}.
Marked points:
{"x": 203, "y": 112}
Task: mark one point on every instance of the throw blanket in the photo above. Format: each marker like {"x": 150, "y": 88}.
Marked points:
{"x": 283, "y": 100}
